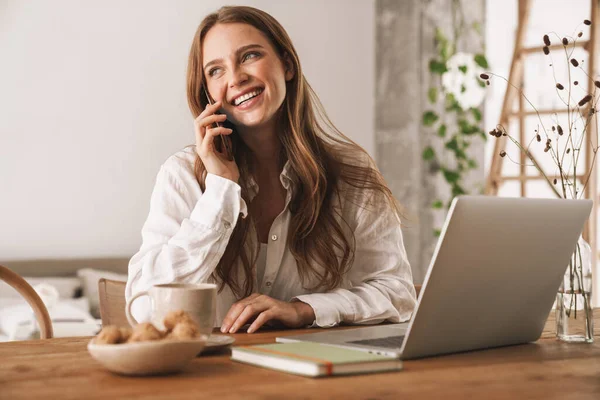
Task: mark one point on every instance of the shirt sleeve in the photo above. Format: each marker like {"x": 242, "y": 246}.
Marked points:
{"x": 185, "y": 233}
{"x": 381, "y": 285}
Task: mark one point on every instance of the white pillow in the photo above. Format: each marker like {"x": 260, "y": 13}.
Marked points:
{"x": 81, "y": 303}
{"x": 89, "y": 281}
{"x": 67, "y": 286}
{"x": 11, "y": 301}
{"x": 17, "y": 321}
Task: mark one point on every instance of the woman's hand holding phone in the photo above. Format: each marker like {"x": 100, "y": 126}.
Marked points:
{"x": 215, "y": 162}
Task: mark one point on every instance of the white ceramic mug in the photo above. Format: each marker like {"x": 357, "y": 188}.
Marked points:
{"x": 198, "y": 300}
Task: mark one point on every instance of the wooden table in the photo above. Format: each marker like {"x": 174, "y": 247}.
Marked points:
{"x": 63, "y": 369}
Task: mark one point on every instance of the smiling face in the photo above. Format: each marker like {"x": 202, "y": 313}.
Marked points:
{"x": 242, "y": 69}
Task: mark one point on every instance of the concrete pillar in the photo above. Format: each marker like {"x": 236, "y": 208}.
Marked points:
{"x": 405, "y": 31}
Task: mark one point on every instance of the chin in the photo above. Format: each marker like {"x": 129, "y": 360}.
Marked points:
{"x": 253, "y": 122}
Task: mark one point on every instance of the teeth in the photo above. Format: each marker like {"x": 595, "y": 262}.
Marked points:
{"x": 247, "y": 96}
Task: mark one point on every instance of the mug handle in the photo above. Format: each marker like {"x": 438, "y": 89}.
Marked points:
{"x": 132, "y": 321}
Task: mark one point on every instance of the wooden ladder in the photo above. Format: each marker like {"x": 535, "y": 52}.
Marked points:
{"x": 516, "y": 76}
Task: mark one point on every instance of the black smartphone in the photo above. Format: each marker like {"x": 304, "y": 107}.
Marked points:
{"x": 223, "y": 145}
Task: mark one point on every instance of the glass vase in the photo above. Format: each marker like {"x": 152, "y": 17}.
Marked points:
{"x": 574, "y": 319}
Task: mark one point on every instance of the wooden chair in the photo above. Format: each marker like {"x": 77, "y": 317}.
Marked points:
{"x": 112, "y": 302}
{"x": 35, "y": 302}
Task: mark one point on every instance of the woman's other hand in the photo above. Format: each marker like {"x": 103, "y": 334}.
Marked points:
{"x": 262, "y": 309}
{"x": 215, "y": 162}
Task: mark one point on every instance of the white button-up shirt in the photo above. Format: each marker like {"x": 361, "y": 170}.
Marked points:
{"x": 187, "y": 231}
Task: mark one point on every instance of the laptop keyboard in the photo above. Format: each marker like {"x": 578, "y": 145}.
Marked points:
{"x": 387, "y": 342}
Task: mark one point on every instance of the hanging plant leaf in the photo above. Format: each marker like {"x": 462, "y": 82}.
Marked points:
{"x": 439, "y": 36}
{"x": 457, "y": 190}
{"x": 452, "y": 144}
{"x": 481, "y": 61}
{"x": 452, "y": 104}
{"x": 466, "y": 128}
{"x": 442, "y": 130}
{"x": 472, "y": 163}
{"x": 437, "y": 204}
{"x": 476, "y": 114}
{"x": 428, "y": 153}
{"x": 463, "y": 69}
{"x": 437, "y": 67}
{"x": 451, "y": 176}
{"x": 444, "y": 52}
{"x": 429, "y": 118}
{"x": 442, "y": 44}
{"x": 432, "y": 95}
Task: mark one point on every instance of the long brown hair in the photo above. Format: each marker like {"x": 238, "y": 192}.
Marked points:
{"x": 320, "y": 156}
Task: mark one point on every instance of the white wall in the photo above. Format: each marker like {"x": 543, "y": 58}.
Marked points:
{"x": 92, "y": 101}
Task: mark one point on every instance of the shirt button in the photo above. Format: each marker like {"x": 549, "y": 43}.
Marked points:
{"x": 227, "y": 224}
{"x": 268, "y": 283}
{"x": 274, "y": 237}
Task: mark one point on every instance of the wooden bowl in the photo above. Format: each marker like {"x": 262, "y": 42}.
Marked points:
{"x": 146, "y": 358}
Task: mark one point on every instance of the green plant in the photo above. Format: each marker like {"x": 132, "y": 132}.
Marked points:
{"x": 454, "y": 75}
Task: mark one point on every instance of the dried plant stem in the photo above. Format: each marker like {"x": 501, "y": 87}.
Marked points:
{"x": 585, "y": 130}
{"x": 579, "y": 112}
{"x": 554, "y": 156}
{"x": 588, "y": 117}
{"x": 593, "y": 159}
{"x": 574, "y": 189}
{"x": 535, "y": 164}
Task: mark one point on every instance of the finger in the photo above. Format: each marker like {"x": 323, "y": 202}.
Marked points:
{"x": 235, "y": 310}
{"x": 211, "y": 119}
{"x": 262, "y": 319}
{"x": 207, "y": 145}
{"x": 199, "y": 131}
{"x": 200, "y": 124}
{"x": 214, "y": 132}
{"x": 210, "y": 109}
{"x": 250, "y": 311}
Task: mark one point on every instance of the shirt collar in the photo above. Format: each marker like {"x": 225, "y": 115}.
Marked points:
{"x": 286, "y": 178}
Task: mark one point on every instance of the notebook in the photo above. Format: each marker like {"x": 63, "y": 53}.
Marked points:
{"x": 314, "y": 359}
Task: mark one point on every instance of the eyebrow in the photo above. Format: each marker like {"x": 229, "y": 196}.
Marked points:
{"x": 237, "y": 52}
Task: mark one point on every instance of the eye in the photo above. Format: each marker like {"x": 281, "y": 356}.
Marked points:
{"x": 212, "y": 71}
{"x": 250, "y": 54}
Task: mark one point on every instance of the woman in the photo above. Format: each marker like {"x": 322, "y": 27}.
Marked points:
{"x": 298, "y": 227}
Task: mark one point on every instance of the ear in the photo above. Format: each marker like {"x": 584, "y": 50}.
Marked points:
{"x": 290, "y": 71}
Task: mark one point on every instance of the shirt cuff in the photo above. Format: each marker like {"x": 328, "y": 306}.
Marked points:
{"x": 328, "y": 312}
{"x": 220, "y": 204}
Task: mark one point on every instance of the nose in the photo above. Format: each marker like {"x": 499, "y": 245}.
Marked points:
{"x": 238, "y": 77}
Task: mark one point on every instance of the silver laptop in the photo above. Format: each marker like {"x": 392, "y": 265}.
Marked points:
{"x": 491, "y": 282}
